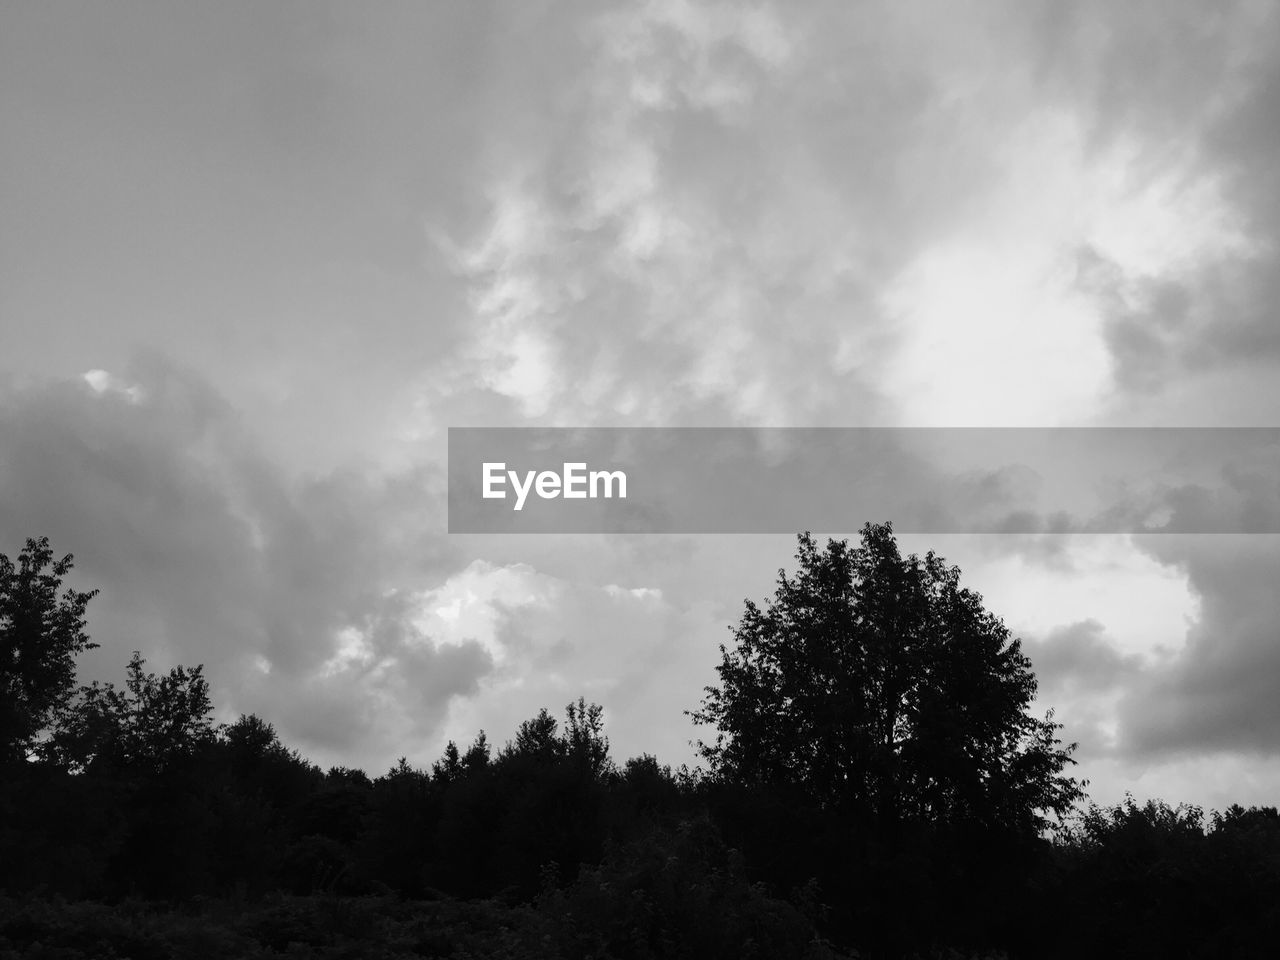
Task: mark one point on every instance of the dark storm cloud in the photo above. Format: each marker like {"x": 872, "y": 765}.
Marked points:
{"x": 205, "y": 553}
{"x": 1079, "y": 671}
{"x": 1218, "y": 693}
{"x": 1078, "y": 658}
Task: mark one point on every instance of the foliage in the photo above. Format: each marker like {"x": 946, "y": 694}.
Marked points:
{"x": 307, "y": 928}
{"x": 870, "y": 796}
{"x": 41, "y": 633}
{"x": 1156, "y": 880}
{"x": 881, "y": 687}
{"x": 677, "y": 893}
{"x": 585, "y": 744}
{"x": 154, "y": 721}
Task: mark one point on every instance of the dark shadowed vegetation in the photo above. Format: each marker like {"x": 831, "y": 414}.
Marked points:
{"x": 875, "y": 787}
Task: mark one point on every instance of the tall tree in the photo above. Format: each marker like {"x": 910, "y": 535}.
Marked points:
{"x": 41, "y": 633}
{"x": 878, "y": 684}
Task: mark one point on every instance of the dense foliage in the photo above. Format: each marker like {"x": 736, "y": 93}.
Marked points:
{"x": 884, "y": 689}
{"x": 131, "y": 826}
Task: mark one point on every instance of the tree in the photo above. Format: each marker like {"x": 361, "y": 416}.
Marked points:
{"x": 153, "y": 722}
{"x": 455, "y": 764}
{"x": 537, "y": 738}
{"x": 40, "y": 636}
{"x": 584, "y": 739}
{"x": 878, "y": 685}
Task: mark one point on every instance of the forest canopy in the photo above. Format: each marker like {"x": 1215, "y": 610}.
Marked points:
{"x": 876, "y": 788}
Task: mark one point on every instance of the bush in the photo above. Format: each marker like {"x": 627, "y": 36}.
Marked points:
{"x": 676, "y": 894}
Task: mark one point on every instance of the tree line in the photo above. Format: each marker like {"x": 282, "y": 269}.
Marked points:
{"x": 873, "y": 784}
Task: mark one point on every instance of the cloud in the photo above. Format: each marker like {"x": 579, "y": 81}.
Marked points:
{"x": 667, "y": 213}
{"x": 1077, "y": 658}
{"x": 1187, "y": 96}
{"x": 832, "y": 216}
{"x": 205, "y": 552}
{"x": 642, "y": 655}
{"x": 682, "y": 262}
{"x": 1217, "y": 695}
{"x": 102, "y": 381}
{"x": 331, "y": 604}
{"x": 1095, "y": 615}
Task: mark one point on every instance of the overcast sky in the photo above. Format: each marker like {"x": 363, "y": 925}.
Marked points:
{"x": 256, "y": 258}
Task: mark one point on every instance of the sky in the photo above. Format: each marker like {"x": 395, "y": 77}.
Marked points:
{"x": 256, "y": 259}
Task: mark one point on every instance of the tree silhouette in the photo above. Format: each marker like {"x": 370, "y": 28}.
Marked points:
{"x": 878, "y": 685}
{"x": 584, "y": 739}
{"x": 40, "y": 636}
{"x": 152, "y": 722}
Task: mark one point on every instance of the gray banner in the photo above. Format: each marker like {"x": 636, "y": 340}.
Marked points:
{"x": 926, "y": 480}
